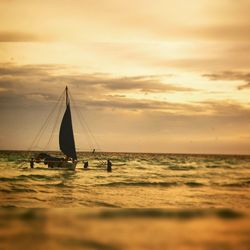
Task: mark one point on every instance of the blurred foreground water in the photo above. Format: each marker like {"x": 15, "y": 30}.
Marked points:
{"x": 117, "y": 229}
{"x": 181, "y": 201}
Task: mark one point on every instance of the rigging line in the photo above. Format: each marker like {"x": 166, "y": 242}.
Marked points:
{"x": 81, "y": 117}
{"x": 85, "y": 125}
{"x": 56, "y": 122}
{"x": 89, "y": 140}
{"x": 60, "y": 103}
{"x": 40, "y": 132}
{"x": 87, "y": 128}
{"x": 88, "y": 137}
{"x": 45, "y": 124}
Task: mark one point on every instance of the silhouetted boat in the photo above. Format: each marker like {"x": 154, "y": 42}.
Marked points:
{"x": 66, "y": 143}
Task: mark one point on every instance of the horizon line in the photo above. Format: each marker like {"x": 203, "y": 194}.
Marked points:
{"x": 127, "y": 152}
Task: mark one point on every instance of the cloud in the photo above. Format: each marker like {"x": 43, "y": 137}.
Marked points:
{"x": 129, "y": 104}
{"x": 141, "y": 83}
{"x": 48, "y": 78}
{"x": 7, "y": 36}
{"x": 31, "y": 85}
{"x": 226, "y": 108}
{"x": 244, "y": 86}
{"x": 231, "y": 76}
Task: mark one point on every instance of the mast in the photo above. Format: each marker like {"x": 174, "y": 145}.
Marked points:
{"x": 67, "y": 95}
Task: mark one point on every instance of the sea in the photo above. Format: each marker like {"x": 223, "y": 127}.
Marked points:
{"x": 148, "y": 201}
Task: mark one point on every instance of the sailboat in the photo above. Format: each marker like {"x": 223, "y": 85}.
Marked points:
{"x": 66, "y": 143}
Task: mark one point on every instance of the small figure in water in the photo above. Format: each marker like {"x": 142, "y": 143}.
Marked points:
{"x": 32, "y": 163}
{"x": 85, "y": 164}
{"x": 109, "y": 166}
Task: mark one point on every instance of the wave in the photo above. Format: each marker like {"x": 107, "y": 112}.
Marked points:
{"x": 219, "y": 166}
{"x": 152, "y": 184}
{"x": 59, "y": 184}
{"x": 11, "y": 179}
{"x": 181, "y": 168}
{"x": 8, "y": 191}
{"x": 7, "y": 206}
{"x": 139, "y": 184}
{"x": 35, "y": 177}
{"x": 22, "y": 190}
{"x": 194, "y": 184}
{"x": 104, "y": 204}
{"x": 39, "y": 177}
{"x": 213, "y": 166}
{"x": 237, "y": 184}
{"x": 225, "y": 214}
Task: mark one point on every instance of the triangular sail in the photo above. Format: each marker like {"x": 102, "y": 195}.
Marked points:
{"x": 66, "y": 136}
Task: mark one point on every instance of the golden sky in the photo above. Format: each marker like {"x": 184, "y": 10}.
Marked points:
{"x": 161, "y": 76}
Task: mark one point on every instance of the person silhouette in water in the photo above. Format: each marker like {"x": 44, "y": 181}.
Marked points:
{"x": 109, "y": 166}
{"x": 32, "y": 163}
{"x": 85, "y": 164}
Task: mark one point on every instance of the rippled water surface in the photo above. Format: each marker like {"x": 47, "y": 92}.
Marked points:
{"x": 137, "y": 180}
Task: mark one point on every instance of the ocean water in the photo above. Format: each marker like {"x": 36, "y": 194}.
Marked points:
{"x": 149, "y": 201}
{"x": 137, "y": 181}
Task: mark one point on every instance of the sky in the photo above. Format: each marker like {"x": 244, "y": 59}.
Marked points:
{"x": 162, "y": 76}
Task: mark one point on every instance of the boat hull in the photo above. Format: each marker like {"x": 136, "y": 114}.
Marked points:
{"x": 63, "y": 165}
{"x": 69, "y": 165}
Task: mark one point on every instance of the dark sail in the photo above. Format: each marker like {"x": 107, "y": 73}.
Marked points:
{"x": 66, "y": 136}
